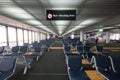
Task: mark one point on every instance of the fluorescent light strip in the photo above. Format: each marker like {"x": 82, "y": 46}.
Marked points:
{"x": 65, "y": 3}
{"x": 77, "y": 27}
{"x": 34, "y": 22}
{"x": 62, "y": 23}
{"x": 61, "y": 27}
{"x": 89, "y": 21}
{"x": 17, "y": 12}
{"x": 60, "y": 32}
{"x": 13, "y": 10}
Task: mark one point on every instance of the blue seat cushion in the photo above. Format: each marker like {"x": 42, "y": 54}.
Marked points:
{"x": 29, "y": 60}
{"x": 5, "y": 75}
{"x": 109, "y": 74}
{"x": 6, "y": 65}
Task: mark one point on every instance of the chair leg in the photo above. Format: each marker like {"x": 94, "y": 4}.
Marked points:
{"x": 25, "y": 69}
{"x": 37, "y": 58}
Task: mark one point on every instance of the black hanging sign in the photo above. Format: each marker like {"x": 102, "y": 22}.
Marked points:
{"x": 61, "y": 14}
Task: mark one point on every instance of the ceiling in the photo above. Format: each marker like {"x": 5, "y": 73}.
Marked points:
{"x": 90, "y": 14}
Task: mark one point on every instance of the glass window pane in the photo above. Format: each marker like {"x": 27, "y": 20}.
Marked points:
{"x": 117, "y": 36}
{"x": 3, "y": 40}
{"x": 25, "y": 36}
{"x": 12, "y": 36}
{"x": 30, "y": 40}
{"x": 20, "y": 37}
{"x": 33, "y": 37}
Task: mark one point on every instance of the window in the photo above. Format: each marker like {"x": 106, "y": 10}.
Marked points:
{"x": 3, "y": 39}
{"x": 114, "y": 36}
{"x": 36, "y": 36}
{"x": 33, "y": 36}
{"x": 20, "y": 37}
{"x": 25, "y": 36}
{"x": 43, "y": 37}
{"x": 12, "y": 36}
{"x": 30, "y": 39}
{"x": 117, "y": 37}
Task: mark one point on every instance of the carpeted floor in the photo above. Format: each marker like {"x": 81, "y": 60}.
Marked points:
{"x": 51, "y": 66}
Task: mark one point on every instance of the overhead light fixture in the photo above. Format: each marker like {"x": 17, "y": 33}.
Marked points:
{"x": 41, "y": 26}
{"x": 62, "y": 23}
{"x": 64, "y": 3}
{"x": 61, "y": 27}
{"x": 23, "y": 16}
{"x": 60, "y": 32}
{"x": 34, "y": 22}
{"x": 100, "y": 30}
{"x": 5, "y": 1}
{"x": 16, "y": 12}
{"x": 89, "y": 21}
{"x": 79, "y": 26}
{"x": 45, "y": 28}
{"x": 13, "y": 10}
{"x": 73, "y": 29}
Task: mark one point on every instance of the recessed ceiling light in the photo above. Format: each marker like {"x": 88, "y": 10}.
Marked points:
{"x": 34, "y": 22}
{"x": 89, "y": 21}
{"x": 62, "y": 23}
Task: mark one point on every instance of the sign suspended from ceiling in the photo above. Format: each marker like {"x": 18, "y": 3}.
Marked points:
{"x": 61, "y": 14}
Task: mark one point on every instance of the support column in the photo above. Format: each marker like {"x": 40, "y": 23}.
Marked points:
{"x": 107, "y": 37}
{"x": 7, "y": 36}
{"x": 81, "y": 36}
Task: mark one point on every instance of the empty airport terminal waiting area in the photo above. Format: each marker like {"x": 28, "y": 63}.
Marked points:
{"x": 60, "y": 59}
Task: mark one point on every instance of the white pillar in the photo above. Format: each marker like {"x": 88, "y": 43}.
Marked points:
{"x": 107, "y": 37}
{"x": 72, "y": 35}
{"x": 81, "y": 36}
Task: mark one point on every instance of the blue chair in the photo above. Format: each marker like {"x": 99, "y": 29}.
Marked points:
{"x": 87, "y": 51}
{"x": 25, "y": 44}
{"x": 79, "y": 43}
{"x": 7, "y": 67}
{"x": 115, "y": 61}
{"x": 75, "y": 70}
{"x": 1, "y": 49}
{"x": 15, "y": 49}
{"x": 67, "y": 49}
{"x": 36, "y": 53}
{"x": 73, "y": 44}
{"x": 21, "y": 58}
{"x": 80, "y": 50}
{"x": 104, "y": 67}
{"x": 66, "y": 43}
{"x": 100, "y": 49}
{"x": 48, "y": 46}
{"x": 23, "y": 49}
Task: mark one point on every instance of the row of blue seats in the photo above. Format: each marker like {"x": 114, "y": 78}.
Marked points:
{"x": 48, "y": 43}
{"x": 17, "y": 59}
{"x": 107, "y": 66}
{"x": 17, "y": 55}
{"x": 74, "y": 65}
{"x": 83, "y": 51}
{"x": 73, "y": 44}
{"x": 100, "y": 64}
